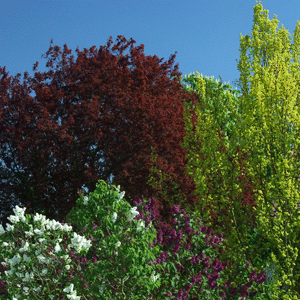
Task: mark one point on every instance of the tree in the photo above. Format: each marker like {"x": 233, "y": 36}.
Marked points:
{"x": 110, "y": 108}
{"x": 268, "y": 108}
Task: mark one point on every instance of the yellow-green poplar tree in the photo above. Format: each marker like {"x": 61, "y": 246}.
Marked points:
{"x": 269, "y": 107}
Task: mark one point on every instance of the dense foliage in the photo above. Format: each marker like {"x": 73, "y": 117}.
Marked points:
{"x": 224, "y": 157}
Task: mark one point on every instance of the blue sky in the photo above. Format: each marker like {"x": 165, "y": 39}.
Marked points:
{"x": 204, "y": 33}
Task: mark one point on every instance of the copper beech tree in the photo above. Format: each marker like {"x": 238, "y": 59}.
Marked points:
{"x": 102, "y": 106}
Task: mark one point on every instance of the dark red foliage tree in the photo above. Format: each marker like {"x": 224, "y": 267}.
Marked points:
{"x": 110, "y": 108}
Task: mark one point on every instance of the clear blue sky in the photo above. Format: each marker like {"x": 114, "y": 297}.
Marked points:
{"x": 204, "y": 33}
